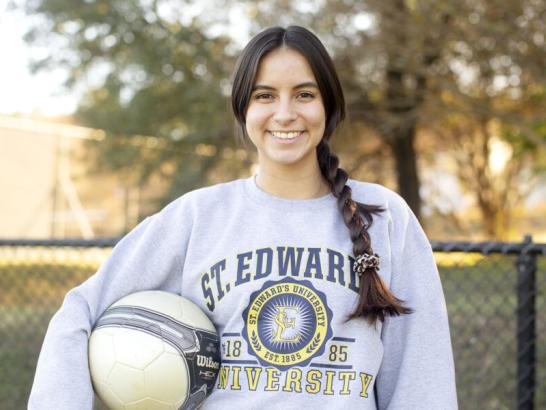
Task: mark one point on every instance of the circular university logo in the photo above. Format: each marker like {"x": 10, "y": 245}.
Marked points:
{"x": 287, "y": 323}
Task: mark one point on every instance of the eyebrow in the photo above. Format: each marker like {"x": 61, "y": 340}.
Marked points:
{"x": 302, "y": 85}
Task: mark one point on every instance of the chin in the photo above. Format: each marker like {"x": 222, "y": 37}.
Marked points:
{"x": 288, "y": 161}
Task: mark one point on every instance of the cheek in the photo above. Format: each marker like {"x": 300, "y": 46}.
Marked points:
{"x": 316, "y": 116}
{"x": 256, "y": 116}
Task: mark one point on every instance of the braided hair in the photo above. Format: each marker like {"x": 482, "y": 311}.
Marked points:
{"x": 375, "y": 300}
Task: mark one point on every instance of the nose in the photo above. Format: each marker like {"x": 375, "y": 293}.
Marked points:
{"x": 285, "y": 112}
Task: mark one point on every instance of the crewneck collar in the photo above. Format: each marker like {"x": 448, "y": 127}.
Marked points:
{"x": 256, "y": 194}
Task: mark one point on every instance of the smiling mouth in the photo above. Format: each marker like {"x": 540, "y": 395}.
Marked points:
{"x": 290, "y": 135}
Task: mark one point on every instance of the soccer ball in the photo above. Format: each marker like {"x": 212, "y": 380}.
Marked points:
{"x": 153, "y": 350}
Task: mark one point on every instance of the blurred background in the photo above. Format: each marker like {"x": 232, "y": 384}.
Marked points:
{"x": 111, "y": 109}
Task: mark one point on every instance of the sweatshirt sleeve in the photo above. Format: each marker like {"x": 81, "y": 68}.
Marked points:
{"x": 417, "y": 371}
{"x": 149, "y": 257}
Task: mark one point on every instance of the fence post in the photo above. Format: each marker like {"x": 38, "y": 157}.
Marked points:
{"x": 526, "y": 318}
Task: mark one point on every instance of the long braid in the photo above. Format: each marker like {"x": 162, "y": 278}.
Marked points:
{"x": 375, "y": 299}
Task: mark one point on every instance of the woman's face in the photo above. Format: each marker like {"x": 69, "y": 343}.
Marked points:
{"x": 285, "y": 118}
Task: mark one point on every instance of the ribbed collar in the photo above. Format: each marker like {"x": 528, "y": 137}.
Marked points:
{"x": 266, "y": 199}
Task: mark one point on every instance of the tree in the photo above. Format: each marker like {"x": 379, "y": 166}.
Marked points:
{"x": 407, "y": 65}
{"x": 494, "y": 163}
{"x": 161, "y": 96}
{"x": 494, "y": 93}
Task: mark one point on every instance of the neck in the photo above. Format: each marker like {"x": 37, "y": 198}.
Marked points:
{"x": 293, "y": 186}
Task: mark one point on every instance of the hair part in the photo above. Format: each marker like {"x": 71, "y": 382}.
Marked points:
{"x": 375, "y": 300}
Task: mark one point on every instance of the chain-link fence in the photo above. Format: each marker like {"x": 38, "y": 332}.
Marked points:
{"x": 494, "y": 293}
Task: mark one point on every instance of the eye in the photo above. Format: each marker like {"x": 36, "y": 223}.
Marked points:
{"x": 306, "y": 95}
{"x": 262, "y": 96}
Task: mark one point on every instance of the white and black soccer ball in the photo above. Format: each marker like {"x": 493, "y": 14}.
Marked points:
{"x": 153, "y": 350}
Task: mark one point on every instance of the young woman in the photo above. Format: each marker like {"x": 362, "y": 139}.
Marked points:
{"x": 352, "y": 309}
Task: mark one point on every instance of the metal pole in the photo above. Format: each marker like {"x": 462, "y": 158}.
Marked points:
{"x": 526, "y": 318}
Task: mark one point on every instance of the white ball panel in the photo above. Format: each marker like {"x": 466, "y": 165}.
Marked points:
{"x": 127, "y": 383}
{"x": 192, "y": 315}
{"x": 108, "y": 397}
{"x": 150, "y": 404}
{"x": 101, "y": 349}
{"x": 167, "y": 378}
{"x": 168, "y": 348}
{"x": 136, "y": 348}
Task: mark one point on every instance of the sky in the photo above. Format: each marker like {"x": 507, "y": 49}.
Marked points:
{"x": 21, "y": 91}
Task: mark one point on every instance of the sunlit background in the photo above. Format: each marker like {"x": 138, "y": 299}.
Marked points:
{"x": 109, "y": 110}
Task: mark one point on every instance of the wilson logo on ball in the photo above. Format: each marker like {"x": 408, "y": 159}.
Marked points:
{"x": 206, "y": 361}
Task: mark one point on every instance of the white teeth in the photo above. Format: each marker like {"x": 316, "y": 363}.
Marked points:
{"x": 286, "y": 135}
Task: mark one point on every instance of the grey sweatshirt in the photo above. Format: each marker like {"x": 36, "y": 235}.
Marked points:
{"x": 275, "y": 276}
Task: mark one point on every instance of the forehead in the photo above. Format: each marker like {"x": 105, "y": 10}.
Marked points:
{"x": 284, "y": 66}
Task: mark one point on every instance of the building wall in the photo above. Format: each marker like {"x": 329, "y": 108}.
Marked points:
{"x": 27, "y": 174}
{"x": 45, "y": 190}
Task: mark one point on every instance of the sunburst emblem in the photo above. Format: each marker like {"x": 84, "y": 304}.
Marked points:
{"x": 287, "y": 323}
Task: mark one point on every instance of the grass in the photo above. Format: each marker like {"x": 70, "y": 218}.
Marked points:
{"x": 480, "y": 295}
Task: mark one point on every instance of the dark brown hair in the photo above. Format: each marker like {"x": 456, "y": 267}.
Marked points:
{"x": 375, "y": 300}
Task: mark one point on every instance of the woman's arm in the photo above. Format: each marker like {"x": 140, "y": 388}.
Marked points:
{"x": 417, "y": 371}
{"x": 149, "y": 257}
